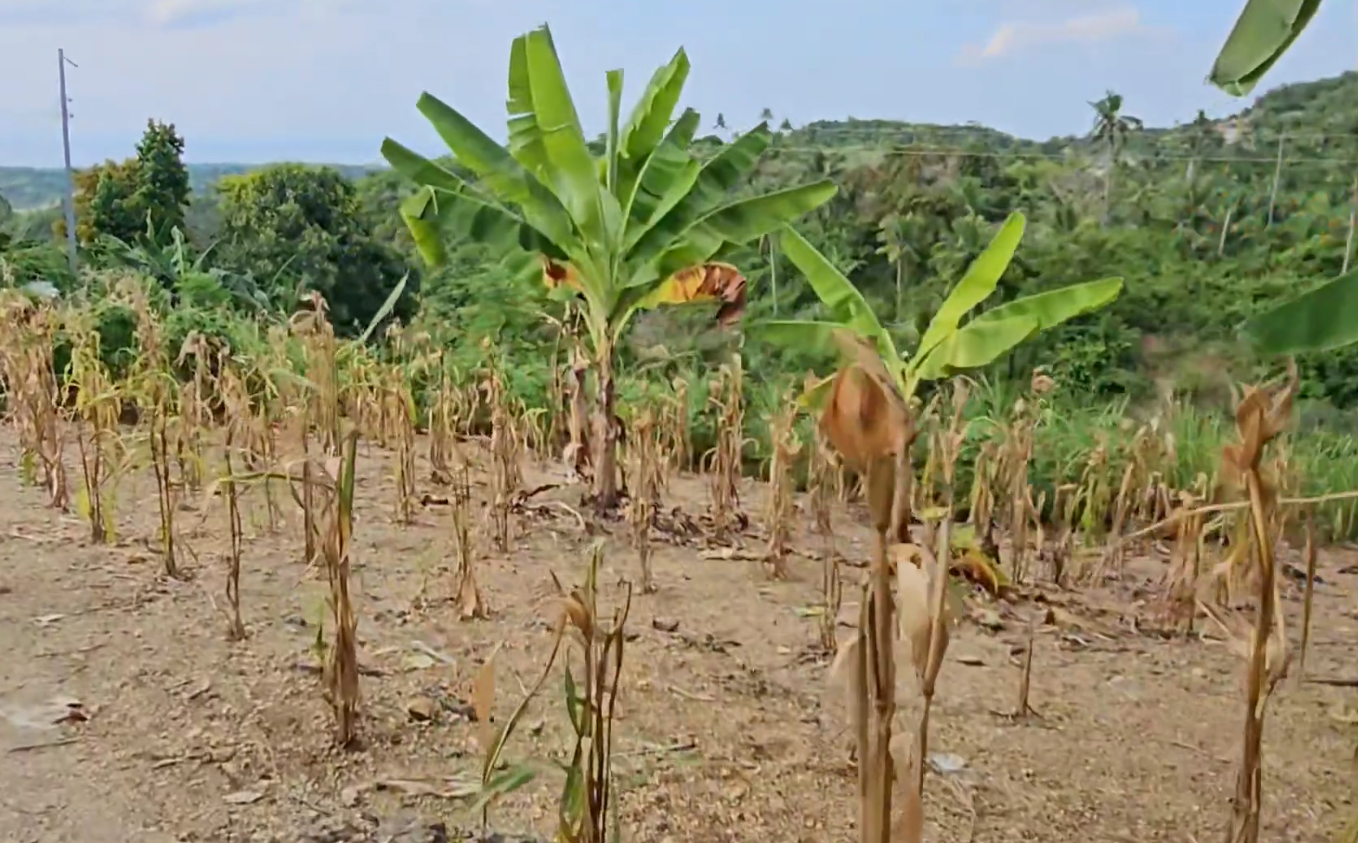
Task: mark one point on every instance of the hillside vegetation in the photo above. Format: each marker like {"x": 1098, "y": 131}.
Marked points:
{"x": 1201, "y": 220}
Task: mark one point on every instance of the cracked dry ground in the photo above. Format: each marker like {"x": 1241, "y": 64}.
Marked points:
{"x": 724, "y": 732}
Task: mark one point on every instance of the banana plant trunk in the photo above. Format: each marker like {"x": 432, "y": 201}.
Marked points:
{"x": 605, "y": 435}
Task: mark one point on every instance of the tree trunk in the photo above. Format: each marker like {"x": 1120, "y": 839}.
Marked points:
{"x": 900, "y": 288}
{"x": 1225, "y": 228}
{"x": 605, "y": 435}
{"x": 773, "y": 274}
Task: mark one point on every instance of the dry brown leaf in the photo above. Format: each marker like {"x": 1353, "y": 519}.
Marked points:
{"x": 483, "y": 700}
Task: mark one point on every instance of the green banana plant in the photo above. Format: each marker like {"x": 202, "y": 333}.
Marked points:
{"x": 947, "y": 346}
{"x": 641, "y": 226}
{"x": 1262, "y": 33}
{"x": 1325, "y": 317}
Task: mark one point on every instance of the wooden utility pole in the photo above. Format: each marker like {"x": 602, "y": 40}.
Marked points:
{"x": 62, "y": 61}
{"x": 1353, "y": 217}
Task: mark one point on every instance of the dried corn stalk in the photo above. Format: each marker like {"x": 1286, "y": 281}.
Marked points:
{"x": 1259, "y": 417}
{"x": 781, "y": 503}
{"x": 646, "y": 469}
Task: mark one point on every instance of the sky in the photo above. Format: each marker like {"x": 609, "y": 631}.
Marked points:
{"x": 250, "y": 81}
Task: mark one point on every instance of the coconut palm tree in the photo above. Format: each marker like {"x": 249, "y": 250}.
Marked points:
{"x": 1111, "y": 128}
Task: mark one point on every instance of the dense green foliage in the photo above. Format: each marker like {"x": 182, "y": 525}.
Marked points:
{"x": 1188, "y": 216}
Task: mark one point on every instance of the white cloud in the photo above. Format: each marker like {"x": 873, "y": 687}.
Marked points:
{"x": 1013, "y": 38}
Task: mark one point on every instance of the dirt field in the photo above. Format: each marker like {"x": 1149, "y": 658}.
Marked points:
{"x": 725, "y": 731}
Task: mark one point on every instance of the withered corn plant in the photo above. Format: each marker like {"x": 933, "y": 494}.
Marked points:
{"x": 399, "y": 417}
{"x": 467, "y": 595}
{"x": 586, "y": 799}
{"x": 678, "y": 444}
{"x": 949, "y": 444}
{"x": 98, "y": 405}
{"x": 154, "y": 391}
{"x": 781, "y": 502}
{"x": 318, "y": 339}
{"x": 646, "y": 470}
{"x": 867, "y": 422}
{"x": 29, "y": 337}
{"x": 195, "y": 410}
{"x": 505, "y": 451}
{"x": 1016, "y": 459}
{"x": 723, "y": 462}
{"x": 823, "y": 473}
{"x": 1260, "y": 416}
{"x": 1185, "y": 562}
{"x": 444, "y": 453}
{"x": 238, "y": 430}
{"x": 341, "y": 668}
{"x": 318, "y": 405}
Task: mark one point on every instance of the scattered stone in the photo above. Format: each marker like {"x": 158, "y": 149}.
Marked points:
{"x": 422, "y": 709}
{"x": 665, "y": 624}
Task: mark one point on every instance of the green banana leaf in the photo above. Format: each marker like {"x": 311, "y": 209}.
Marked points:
{"x": 977, "y": 284}
{"x": 791, "y": 333}
{"x": 1318, "y": 320}
{"x": 571, "y": 166}
{"x": 649, "y": 124}
{"x": 836, "y": 292}
{"x": 1053, "y": 307}
{"x": 978, "y": 344}
{"x": 666, "y": 177}
{"x": 1262, "y": 33}
{"x": 712, "y": 188}
{"x": 985, "y": 338}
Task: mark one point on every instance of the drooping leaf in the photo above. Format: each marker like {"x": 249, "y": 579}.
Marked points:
{"x": 1053, "y": 307}
{"x": 746, "y": 220}
{"x": 815, "y": 393}
{"x": 979, "y": 281}
{"x": 497, "y": 170}
{"x": 836, "y": 292}
{"x": 706, "y": 282}
{"x": 1321, "y": 319}
{"x": 385, "y": 310}
{"x": 1262, "y": 33}
{"x": 858, "y": 420}
{"x": 437, "y": 217}
{"x": 560, "y": 275}
{"x": 419, "y": 169}
{"x": 805, "y": 335}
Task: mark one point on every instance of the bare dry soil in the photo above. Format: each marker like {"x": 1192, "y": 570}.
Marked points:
{"x": 126, "y": 714}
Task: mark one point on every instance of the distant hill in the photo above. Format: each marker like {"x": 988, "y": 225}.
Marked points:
{"x": 1319, "y": 119}
{"x": 29, "y": 188}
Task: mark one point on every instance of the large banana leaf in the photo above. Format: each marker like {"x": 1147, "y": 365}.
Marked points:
{"x": 1262, "y": 33}
{"x": 571, "y": 167}
{"x": 1318, "y": 320}
{"x": 836, "y": 292}
{"x": 715, "y": 181}
{"x": 646, "y": 129}
{"x": 982, "y": 340}
{"x": 978, "y": 344}
{"x": 977, "y": 284}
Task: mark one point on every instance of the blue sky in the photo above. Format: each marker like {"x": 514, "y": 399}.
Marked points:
{"x": 325, "y": 80}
